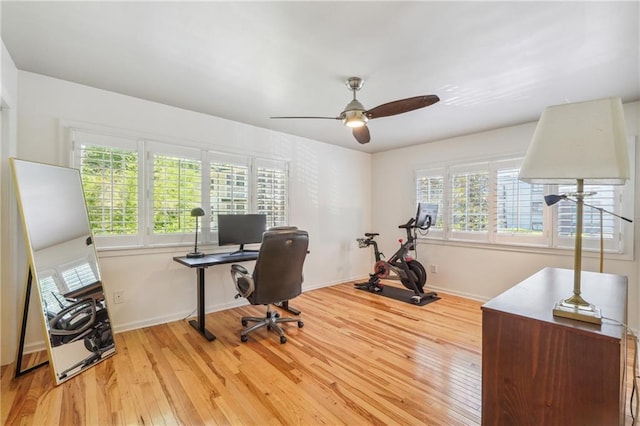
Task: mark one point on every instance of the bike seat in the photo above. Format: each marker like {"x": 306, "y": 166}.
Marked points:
{"x": 370, "y": 234}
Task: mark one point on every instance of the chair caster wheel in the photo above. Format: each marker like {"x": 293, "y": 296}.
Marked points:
{"x": 244, "y": 323}
{"x": 269, "y": 327}
{"x": 277, "y": 314}
{"x": 283, "y": 340}
{"x": 244, "y": 338}
{"x": 300, "y": 324}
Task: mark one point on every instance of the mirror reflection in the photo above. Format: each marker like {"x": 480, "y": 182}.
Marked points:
{"x": 64, "y": 265}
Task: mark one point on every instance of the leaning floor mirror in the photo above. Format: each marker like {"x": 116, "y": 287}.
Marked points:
{"x": 63, "y": 266}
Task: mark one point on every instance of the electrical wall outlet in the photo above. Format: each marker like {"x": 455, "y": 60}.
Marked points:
{"x": 118, "y": 296}
{"x": 434, "y": 269}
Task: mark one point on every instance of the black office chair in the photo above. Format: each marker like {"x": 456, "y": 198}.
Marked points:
{"x": 277, "y": 277}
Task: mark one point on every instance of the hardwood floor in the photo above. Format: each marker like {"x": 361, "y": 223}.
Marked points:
{"x": 360, "y": 359}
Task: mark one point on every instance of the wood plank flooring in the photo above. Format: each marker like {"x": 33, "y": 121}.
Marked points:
{"x": 360, "y": 359}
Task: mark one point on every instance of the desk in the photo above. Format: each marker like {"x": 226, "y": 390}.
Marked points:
{"x": 538, "y": 369}
{"x": 203, "y": 263}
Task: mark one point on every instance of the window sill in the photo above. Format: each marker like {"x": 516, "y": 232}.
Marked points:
{"x": 555, "y": 251}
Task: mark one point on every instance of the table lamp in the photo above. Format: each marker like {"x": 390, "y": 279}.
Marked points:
{"x": 197, "y": 212}
{"x": 585, "y": 143}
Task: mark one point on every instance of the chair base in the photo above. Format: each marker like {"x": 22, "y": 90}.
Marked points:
{"x": 270, "y": 321}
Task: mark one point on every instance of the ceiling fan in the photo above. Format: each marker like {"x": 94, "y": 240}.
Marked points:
{"x": 356, "y": 116}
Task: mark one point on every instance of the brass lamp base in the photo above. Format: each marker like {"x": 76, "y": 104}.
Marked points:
{"x": 581, "y": 311}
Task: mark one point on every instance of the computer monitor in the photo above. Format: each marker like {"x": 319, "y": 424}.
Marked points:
{"x": 425, "y": 211}
{"x": 241, "y": 229}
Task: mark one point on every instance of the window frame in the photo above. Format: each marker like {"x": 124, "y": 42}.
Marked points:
{"x": 436, "y": 231}
{"x": 152, "y": 149}
{"x": 210, "y": 232}
{"x": 515, "y": 238}
{"x": 623, "y": 246}
{"x": 146, "y": 148}
{"x": 611, "y": 245}
{"x": 89, "y": 137}
{"x": 272, "y": 165}
{"x": 476, "y": 168}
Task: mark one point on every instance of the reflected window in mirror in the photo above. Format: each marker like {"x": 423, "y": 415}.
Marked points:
{"x": 78, "y": 275}
{"x": 49, "y": 290}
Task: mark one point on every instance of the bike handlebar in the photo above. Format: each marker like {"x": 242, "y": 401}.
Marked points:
{"x": 410, "y": 224}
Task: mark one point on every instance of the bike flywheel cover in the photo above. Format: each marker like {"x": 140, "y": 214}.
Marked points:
{"x": 381, "y": 269}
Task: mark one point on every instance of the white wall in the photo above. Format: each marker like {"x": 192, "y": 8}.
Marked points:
{"x": 9, "y": 287}
{"x": 329, "y": 195}
{"x": 474, "y": 271}
{"x": 336, "y": 194}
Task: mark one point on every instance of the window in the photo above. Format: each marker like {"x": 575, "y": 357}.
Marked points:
{"x": 77, "y": 276}
{"x": 519, "y": 207}
{"x": 271, "y": 191}
{"x": 110, "y": 173}
{"x": 49, "y": 291}
{"x": 110, "y": 182}
{"x": 176, "y": 188}
{"x": 229, "y": 188}
{"x": 603, "y": 196}
{"x": 485, "y": 202}
{"x": 469, "y": 200}
{"x": 430, "y": 189}
{"x": 132, "y": 202}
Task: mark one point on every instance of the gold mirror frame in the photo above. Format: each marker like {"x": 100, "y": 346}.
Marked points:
{"x": 63, "y": 264}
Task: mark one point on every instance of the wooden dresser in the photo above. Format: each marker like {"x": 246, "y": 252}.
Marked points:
{"x": 538, "y": 369}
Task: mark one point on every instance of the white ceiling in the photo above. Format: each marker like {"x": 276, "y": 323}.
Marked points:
{"x": 493, "y": 64}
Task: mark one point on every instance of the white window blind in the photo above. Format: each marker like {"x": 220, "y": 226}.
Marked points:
{"x": 109, "y": 167}
{"x": 229, "y": 188}
{"x": 48, "y": 288}
{"x": 176, "y": 190}
{"x": 78, "y": 276}
{"x": 469, "y": 194}
{"x": 271, "y": 191}
{"x": 519, "y": 205}
{"x": 606, "y": 197}
{"x": 430, "y": 189}
{"x": 485, "y": 202}
{"x": 140, "y": 192}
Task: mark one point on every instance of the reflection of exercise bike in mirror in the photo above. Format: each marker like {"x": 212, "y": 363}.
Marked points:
{"x": 85, "y": 320}
{"x": 411, "y": 272}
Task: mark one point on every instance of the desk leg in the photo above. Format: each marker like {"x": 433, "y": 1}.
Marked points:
{"x": 285, "y": 305}
{"x": 199, "y": 324}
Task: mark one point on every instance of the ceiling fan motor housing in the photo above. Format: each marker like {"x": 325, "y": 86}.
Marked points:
{"x": 354, "y": 114}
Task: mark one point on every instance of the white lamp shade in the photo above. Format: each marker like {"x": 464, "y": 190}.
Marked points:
{"x": 582, "y": 140}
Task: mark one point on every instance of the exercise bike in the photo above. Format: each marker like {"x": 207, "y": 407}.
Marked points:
{"x": 411, "y": 272}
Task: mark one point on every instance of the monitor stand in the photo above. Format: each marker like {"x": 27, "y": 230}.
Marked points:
{"x": 242, "y": 250}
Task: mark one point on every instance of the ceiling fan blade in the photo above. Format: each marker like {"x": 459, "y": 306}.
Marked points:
{"x": 361, "y": 134}
{"x": 401, "y": 106}
{"x": 327, "y": 118}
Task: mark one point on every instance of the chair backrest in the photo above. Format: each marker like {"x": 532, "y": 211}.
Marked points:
{"x": 278, "y": 271}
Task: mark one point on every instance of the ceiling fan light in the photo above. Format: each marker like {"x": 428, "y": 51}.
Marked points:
{"x": 354, "y": 118}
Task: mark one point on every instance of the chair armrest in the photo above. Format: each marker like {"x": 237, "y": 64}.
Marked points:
{"x": 239, "y": 269}
{"x": 242, "y": 280}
